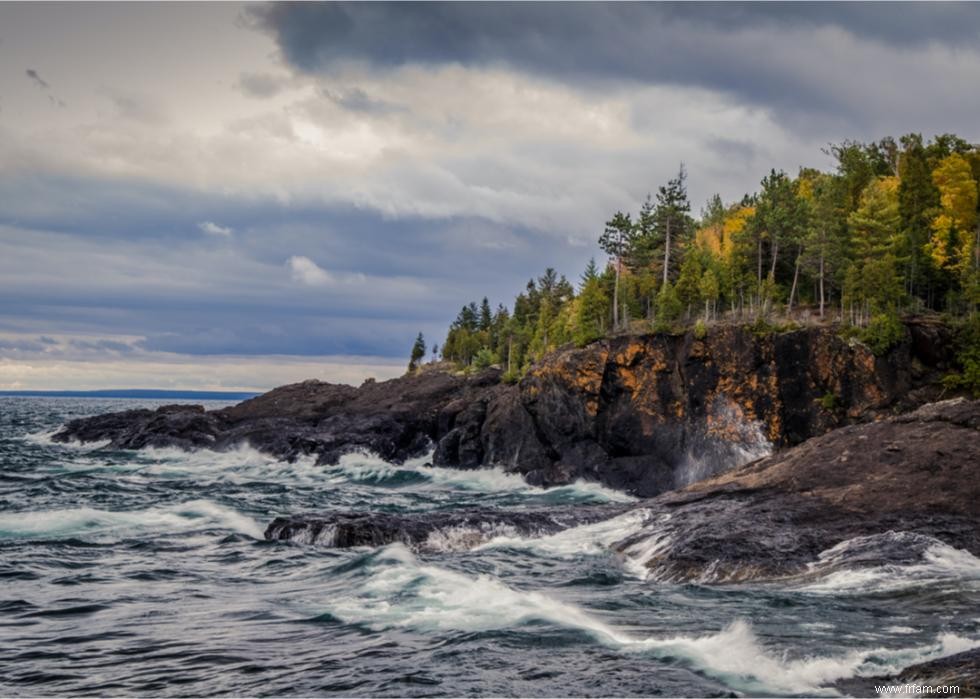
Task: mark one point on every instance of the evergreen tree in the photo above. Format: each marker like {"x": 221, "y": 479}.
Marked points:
{"x": 418, "y": 353}
{"x": 590, "y": 308}
{"x": 486, "y": 318}
{"x": 614, "y": 241}
{"x": 672, "y": 220}
{"x": 875, "y": 223}
{"x": 688, "y": 286}
{"x": 918, "y": 199}
{"x": 710, "y": 290}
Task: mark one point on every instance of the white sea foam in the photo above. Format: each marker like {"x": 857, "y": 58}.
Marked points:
{"x": 400, "y": 591}
{"x": 466, "y": 538}
{"x": 586, "y": 539}
{"x": 244, "y": 463}
{"x": 361, "y": 466}
{"x": 87, "y": 522}
{"x": 838, "y": 570}
{"x": 44, "y": 438}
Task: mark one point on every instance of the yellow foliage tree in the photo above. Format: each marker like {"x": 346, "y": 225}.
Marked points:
{"x": 951, "y": 245}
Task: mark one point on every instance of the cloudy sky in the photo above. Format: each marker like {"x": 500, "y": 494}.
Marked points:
{"x": 226, "y": 196}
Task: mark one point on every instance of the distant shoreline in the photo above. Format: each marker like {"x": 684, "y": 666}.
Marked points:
{"x": 147, "y": 393}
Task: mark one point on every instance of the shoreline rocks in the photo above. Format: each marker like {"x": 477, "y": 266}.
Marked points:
{"x": 915, "y": 473}
{"x": 643, "y": 414}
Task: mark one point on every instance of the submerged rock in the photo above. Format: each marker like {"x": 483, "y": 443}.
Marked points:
{"x": 447, "y": 530}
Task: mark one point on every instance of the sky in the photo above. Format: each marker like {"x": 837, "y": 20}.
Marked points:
{"x": 224, "y": 196}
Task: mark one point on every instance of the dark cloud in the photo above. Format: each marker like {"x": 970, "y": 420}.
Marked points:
{"x": 774, "y": 54}
{"x": 101, "y": 346}
{"x": 19, "y": 345}
{"x": 36, "y": 79}
{"x": 357, "y": 100}
{"x": 583, "y": 37}
{"x": 741, "y": 151}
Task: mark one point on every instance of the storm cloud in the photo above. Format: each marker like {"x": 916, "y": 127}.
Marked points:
{"x": 835, "y": 59}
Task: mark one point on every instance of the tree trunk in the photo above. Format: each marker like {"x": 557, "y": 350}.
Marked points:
{"x": 775, "y": 256}
{"x": 758, "y": 271}
{"x": 821, "y": 285}
{"x": 616, "y": 298}
{"x": 796, "y": 276}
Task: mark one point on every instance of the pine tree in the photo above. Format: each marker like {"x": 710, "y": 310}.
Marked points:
{"x": 917, "y": 202}
{"x": 418, "y": 353}
{"x": 688, "y": 286}
{"x": 875, "y": 223}
{"x": 486, "y": 318}
{"x": 710, "y": 290}
{"x": 614, "y": 241}
{"x": 672, "y": 220}
{"x": 590, "y": 308}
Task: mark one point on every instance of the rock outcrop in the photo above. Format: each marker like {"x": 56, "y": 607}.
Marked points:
{"x": 881, "y": 493}
{"x": 961, "y": 670}
{"x": 441, "y": 530}
{"x": 643, "y": 414}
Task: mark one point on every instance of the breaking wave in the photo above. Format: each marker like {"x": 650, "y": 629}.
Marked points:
{"x": 367, "y": 468}
{"x": 396, "y": 590}
{"x": 110, "y": 525}
{"x": 888, "y": 562}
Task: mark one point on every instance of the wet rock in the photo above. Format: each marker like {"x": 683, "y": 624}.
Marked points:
{"x": 960, "y": 670}
{"x": 430, "y": 530}
{"x": 774, "y": 517}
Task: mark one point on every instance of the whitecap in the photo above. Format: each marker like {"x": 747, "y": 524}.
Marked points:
{"x": 114, "y": 525}
{"x": 363, "y": 466}
{"x": 853, "y": 566}
{"x": 586, "y": 539}
{"x": 44, "y": 438}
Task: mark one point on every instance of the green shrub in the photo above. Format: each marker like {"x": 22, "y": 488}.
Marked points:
{"x": 883, "y": 332}
{"x": 828, "y": 401}
{"x": 483, "y": 359}
{"x": 700, "y": 330}
{"x": 511, "y": 377}
{"x": 760, "y": 327}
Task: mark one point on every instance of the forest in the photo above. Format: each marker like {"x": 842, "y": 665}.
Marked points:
{"x": 893, "y": 230}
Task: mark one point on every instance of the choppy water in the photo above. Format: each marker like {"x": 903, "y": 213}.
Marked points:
{"x": 146, "y": 574}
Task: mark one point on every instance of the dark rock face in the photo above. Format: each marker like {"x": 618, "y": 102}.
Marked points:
{"x": 917, "y": 473}
{"x": 960, "y": 670}
{"x": 430, "y": 530}
{"x": 643, "y": 414}
{"x": 396, "y": 419}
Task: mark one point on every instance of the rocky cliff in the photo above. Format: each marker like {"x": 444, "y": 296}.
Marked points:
{"x": 645, "y": 414}
{"x": 652, "y": 413}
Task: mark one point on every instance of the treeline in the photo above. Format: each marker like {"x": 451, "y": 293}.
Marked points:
{"x": 894, "y": 228}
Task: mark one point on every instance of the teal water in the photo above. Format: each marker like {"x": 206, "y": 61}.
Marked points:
{"x": 146, "y": 573}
